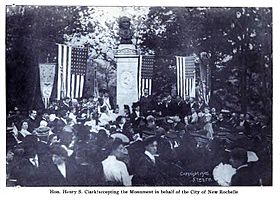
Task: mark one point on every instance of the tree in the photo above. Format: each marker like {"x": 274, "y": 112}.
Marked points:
{"x": 238, "y": 40}
{"x": 32, "y": 32}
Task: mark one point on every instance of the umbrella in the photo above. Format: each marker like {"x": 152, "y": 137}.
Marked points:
{"x": 120, "y": 136}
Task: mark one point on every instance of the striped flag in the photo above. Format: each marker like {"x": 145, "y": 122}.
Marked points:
{"x": 145, "y": 75}
{"x": 72, "y": 65}
{"x": 185, "y": 76}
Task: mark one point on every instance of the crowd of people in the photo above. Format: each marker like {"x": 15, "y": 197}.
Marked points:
{"x": 165, "y": 141}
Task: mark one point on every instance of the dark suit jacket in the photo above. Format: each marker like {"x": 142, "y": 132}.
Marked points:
{"x": 182, "y": 109}
{"x": 32, "y": 124}
{"x": 53, "y": 177}
{"x": 146, "y": 172}
{"x": 245, "y": 176}
{"x": 146, "y": 104}
{"x": 29, "y": 175}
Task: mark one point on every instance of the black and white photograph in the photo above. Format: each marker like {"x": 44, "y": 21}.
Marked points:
{"x": 116, "y": 96}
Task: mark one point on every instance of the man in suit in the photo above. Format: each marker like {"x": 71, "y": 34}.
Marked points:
{"x": 182, "y": 109}
{"x": 146, "y": 103}
{"x": 32, "y": 121}
{"x": 29, "y": 171}
{"x": 146, "y": 170}
{"x": 245, "y": 175}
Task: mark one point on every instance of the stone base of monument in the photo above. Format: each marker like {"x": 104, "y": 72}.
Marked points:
{"x": 127, "y": 75}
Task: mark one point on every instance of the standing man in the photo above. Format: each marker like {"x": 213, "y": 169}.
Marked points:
{"x": 146, "y": 170}
{"x": 146, "y": 103}
{"x": 182, "y": 109}
{"x": 32, "y": 121}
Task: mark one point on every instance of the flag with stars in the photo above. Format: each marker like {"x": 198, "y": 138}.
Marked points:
{"x": 72, "y": 65}
{"x": 146, "y": 69}
{"x": 185, "y": 76}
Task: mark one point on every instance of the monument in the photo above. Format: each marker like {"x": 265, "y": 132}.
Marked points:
{"x": 127, "y": 66}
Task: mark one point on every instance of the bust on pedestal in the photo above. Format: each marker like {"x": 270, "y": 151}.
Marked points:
{"x": 127, "y": 66}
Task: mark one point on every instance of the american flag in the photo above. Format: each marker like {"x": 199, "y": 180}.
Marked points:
{"x": 185, "y": 76}
{"x": 146, "y": 69}
{"x": 72, "y": 65}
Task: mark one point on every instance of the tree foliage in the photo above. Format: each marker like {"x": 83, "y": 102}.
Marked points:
{"x": 238, "y": 40}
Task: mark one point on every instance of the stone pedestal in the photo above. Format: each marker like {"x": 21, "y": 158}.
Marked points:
{"x": 127, "y": 71}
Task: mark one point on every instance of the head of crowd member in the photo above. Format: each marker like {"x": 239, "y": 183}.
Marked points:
{"x": 42, "y": 133}
{"x": 66, "y": 135}
{"x": 248, "y": 116}
{"x": 118, "y": 149}
{"x": 136, "y": 107}
{"x": 151, "y": 145}
{"x": 62, "y": 114}
{"x": 146, "y": 92}
{"x": 168, "y": 98}
{"x": 43, "y": 123}
{"x": 46, "y": 116}
{"x": 213, "y": 110}
{"x": 187, "y": 98}
{"x": 9, "y": 155}
{"x": 126, "y": 109}
{"x": 74, "y": 102}
{"x": 84, "y": 101}
{"x": 241, "y": 117}
{"x": 94, "y": 116}
{"x": 106, "y": 94}
{"x": 193, "y": 110}
{"x": 221, "y": 117}
{"x": 238, "y": 157}
{"x": 100, "y": 101}
{"x": 191, "y": 100}
{"x": 151, "y": 121}
{"x": 103, "y": 109}
{"x": 24, "y": 125}
{"x": 33, "y": 114}
{"x": 200, "y": 114}
{"x": 53, "y": 139}
{"x": 120, "y": 120}
{"x": 17, "y": 111}
{"x": 117, "y": 110}
{"x": 234, "y": 115}
{"x": 67, "y": 100}
{"x": 91, "y": 99}
{"x": 178, "y": 98}
{"x": 206, "y": 110}
{"x": 59, "y": 154}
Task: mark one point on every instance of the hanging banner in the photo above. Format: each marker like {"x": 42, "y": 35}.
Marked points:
{"x": 205, "y": 77}
{"x": 47, "y": 74}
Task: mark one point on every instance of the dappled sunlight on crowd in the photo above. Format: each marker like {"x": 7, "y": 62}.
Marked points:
{"x": 91, "y": 142}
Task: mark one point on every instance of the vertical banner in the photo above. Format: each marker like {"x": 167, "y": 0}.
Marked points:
{"x": 205, "y": 77}
{"x": 47, "y": 74}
